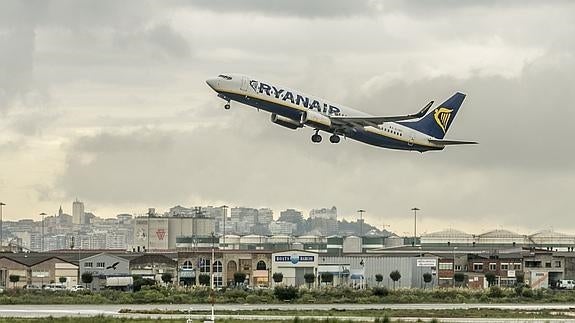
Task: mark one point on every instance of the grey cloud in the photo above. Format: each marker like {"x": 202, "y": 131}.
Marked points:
{"x": 32, "y": 122}
{"x": 16, "y": 65}
{"x": 321, "y": 8}
{"x": 160, "y": 40}
{"x": 77, "y": 14}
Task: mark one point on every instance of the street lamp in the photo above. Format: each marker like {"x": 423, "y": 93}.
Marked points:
{"x": 42, "y": 245}
{"x": 1, "y": 237}
{"x": 212, "y": 280}
{"x": 454, "y": 248}
{"x": 414, "y": 224}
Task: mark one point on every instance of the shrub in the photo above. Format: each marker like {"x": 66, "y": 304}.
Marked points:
{"x": 380, "y": 291}
{"x": 286, "y": 293}
{"x": 496, "y": 292}
{"x": 527, "y": 292}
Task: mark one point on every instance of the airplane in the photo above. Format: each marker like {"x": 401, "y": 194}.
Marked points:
{"x": 422, "y": 131}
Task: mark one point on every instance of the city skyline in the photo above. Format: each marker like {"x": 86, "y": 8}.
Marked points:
{"x": 107, "y": 102}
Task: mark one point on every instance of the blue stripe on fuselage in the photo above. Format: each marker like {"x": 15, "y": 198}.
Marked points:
{"x": 358, "y": 134}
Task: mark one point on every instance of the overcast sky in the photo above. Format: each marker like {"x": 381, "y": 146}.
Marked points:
{"x": 105, "y": 101}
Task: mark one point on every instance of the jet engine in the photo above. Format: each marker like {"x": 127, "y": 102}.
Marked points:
{"x": 286, "y": 122}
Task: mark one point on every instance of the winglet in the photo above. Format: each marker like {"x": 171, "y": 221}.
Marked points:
{"x": 425, "y": 109}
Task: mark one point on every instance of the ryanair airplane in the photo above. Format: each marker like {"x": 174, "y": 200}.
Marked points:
{"x": 293, "y": 109}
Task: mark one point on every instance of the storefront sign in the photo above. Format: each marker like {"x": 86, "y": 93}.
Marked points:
{"x": 294, "y": 259}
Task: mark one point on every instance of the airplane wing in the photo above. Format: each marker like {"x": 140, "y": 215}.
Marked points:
{"x": 451, "y": 142}
{"x": 340, "y": 121}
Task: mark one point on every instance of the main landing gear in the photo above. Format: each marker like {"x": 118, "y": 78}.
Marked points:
{"x": 334, "y": 139}
{"x": 316, "y": 138}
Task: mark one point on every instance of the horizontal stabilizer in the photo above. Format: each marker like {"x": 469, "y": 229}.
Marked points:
{"x": 451, "y": 142}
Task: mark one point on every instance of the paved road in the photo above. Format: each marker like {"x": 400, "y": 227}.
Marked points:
{"x": 113, "y": 310}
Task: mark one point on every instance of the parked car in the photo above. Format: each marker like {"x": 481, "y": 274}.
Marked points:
{"x": 32, "y": 287}
{"x": 77, "y": 288}
{"x": 566, "y": 284}
{"x": 55, "y": 287}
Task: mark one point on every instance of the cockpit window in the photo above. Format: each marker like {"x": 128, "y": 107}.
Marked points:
{"x": 225, "y": 77}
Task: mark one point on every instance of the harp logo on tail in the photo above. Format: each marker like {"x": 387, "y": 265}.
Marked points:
{"x": 442, "y": 116}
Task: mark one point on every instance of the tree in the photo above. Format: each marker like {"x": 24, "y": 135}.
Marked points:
{"x": 309, "y": 279}
{"x": 490, "y": 277}
{"x": 239, "y": 278}
{"x": 14, "y": 279}
{"x": 87, "y": 278}
{"x": 395, "y": 276}
{"x": 63, "y": 280}
{"x": 520, "y": 277}
{"x": 326, "y": 278}
{"x": 459, "y": 278}
{"x": 139, "y": 281}
{"x": 278, "y": 277}
{"x": 204, "y": 279}
{"x": 427, "y": 278}
{"x": 378, "y": 278}
{"x": 167, "y": 278}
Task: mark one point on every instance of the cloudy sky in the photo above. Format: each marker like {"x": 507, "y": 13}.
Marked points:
{"x": 105, "y": 101}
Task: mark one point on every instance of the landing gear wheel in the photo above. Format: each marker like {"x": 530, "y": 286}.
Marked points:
{"x": 334, "y": 139}
{"x": 316, "y": 138}
{"x": 227, "y": 106}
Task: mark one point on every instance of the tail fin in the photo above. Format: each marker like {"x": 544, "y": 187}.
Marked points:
{"x": 437, "y": 121}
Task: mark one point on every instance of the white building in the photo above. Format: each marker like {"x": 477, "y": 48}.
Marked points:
{"x": 294, "y": 264}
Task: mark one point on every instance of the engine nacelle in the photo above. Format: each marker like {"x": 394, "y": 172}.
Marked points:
{"x": 286, "y": 122}
{"x": 315, "y": 120}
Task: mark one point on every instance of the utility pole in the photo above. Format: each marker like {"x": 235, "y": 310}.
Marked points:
{"x": 212, "y": 287}
{"x": 1, "y": 236}
{"x": 361, "y": 212}
{"x": 414, "y": 224}
{"x": 42, "y": 245}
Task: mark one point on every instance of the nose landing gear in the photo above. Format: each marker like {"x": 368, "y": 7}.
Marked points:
{"x": 227, "y": 106}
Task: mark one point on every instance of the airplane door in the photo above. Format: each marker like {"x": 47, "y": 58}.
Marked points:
{"x": 411, "y": 138}
{"x": 245, "y": 83}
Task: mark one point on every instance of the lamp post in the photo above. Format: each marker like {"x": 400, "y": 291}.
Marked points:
{"x": 454, "y": 266}
{"x": 414, "y": 224}
{"x": 212, "y": 287}
{"x": 1, "y": 236}
{"x": 361, "y": 212}
{"x": 42, "y": 241}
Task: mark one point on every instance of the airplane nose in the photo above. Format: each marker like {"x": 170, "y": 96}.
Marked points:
{"x": 213, "y": 83}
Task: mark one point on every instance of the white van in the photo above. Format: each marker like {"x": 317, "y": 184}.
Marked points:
{"x": 57, "y": 287}
{"x": 566, "y": 284}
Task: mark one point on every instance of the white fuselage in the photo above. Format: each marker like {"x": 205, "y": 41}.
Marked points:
{"x": 291, "y": 103}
